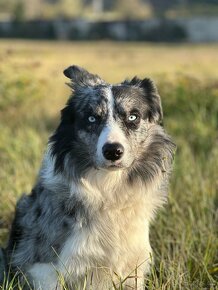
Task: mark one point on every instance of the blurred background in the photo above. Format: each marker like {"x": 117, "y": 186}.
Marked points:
{"x": 172, "y": 42}
{"x": 152, "y": 20}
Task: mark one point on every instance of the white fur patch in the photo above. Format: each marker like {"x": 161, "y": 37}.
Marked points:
{"x": 44, "y": 276}
{"x": 117, "y": 237}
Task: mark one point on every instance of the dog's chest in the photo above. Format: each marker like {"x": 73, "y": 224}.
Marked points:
{"x": 106, "y": 239}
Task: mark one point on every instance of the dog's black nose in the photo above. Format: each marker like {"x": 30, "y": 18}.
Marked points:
{"x": 112, "y": 151}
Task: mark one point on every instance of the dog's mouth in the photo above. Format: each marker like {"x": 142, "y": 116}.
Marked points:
{"x": 111, "y": 166}
{"x": 115, "y": 166}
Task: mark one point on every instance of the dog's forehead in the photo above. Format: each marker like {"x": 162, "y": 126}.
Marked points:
{"x": 104, "y": 97}
{"x": 118, "y": 94}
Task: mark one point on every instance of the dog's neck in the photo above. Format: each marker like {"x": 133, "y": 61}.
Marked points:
{"x": 100, "y": 188}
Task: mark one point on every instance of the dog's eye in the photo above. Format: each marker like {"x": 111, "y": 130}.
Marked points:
{"x": 132, "y": 118}
{"x": 92, "y": 119}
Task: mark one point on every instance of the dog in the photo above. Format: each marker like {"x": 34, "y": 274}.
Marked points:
{"x": 104, "y": 174}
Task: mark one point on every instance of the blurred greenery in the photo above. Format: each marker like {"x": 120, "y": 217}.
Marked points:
{"x": 32, "y": 91}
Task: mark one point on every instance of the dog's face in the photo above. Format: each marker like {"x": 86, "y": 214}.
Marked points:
{"x": 105, "y": 126}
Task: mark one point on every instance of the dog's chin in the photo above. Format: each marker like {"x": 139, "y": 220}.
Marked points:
{"x": 114, "y": 167}
{"x": 111, "y": 166}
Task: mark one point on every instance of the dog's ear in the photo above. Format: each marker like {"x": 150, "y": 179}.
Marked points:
{"x": 152, "y": 98}
{"x": 81, "y": 77}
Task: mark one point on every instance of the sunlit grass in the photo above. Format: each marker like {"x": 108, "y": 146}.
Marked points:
{"x": 32, "y": 91}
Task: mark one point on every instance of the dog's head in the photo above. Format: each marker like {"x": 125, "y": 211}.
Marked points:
{"x": 103, "y": 126}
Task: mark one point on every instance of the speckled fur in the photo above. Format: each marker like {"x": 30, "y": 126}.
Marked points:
{"x": 83, "y": 219}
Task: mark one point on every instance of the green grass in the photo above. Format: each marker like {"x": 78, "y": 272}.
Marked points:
{"x": 32, "y": 91}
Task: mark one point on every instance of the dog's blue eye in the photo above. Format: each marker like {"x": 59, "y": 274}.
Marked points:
{"x": 92, "y": 119}
{"x": 132, "y": 118}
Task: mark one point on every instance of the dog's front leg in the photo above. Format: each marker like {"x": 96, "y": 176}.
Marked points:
{"x": 43, "y": 277}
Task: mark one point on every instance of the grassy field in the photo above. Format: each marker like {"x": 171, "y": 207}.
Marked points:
{"x": 32, "y": 92}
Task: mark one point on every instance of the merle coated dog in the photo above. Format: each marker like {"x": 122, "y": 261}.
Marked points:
{"x": 104, "y": 175}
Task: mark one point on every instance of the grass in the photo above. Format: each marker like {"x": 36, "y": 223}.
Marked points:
{"x": 32, "y": 91}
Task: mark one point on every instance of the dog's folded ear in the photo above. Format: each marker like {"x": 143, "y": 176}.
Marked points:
{"x": 81, "y": 77}
{"x": 152, "y": 98}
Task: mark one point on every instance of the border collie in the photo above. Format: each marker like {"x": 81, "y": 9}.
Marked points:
{"x": 104, "y": 175}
